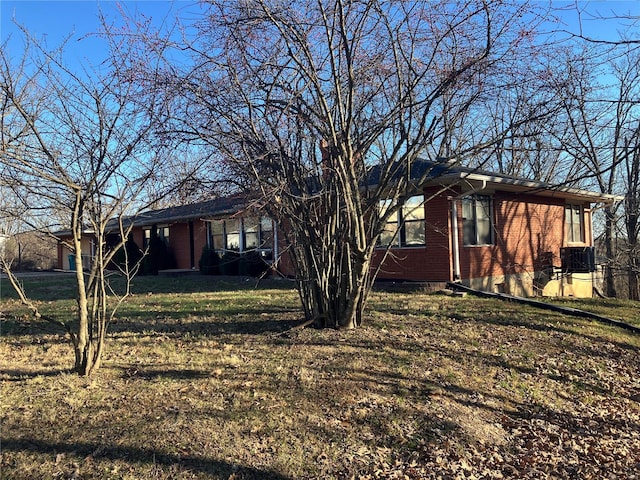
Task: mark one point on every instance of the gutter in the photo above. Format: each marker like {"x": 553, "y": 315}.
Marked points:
{"x": 529, "y": 186}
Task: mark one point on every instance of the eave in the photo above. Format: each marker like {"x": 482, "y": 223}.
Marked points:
{"x": 474, "y": 181}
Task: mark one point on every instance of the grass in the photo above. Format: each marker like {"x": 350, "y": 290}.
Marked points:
{"x": 204, "y": 379}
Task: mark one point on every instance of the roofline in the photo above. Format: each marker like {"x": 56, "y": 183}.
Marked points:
{"x": 141, "y": 221}
{"x": 528, "y": 186}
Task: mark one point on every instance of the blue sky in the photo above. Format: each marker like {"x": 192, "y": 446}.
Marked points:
{"x": 53, "y": 20}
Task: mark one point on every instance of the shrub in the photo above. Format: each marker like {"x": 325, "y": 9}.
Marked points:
{"x": 251, "y": 264}
{"x": 159, "y": 256}
{"x": 230, "y": 263}
{"x": 209, "y": 261}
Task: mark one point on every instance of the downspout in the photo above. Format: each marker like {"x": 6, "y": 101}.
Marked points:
{"x": 454, "y": 219}
{"x": 456, "y": 243}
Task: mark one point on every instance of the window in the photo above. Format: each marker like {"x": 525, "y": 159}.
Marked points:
{"x": 266, "y": 239}
{"x": 161, "y": 232}
{"x": 407, "y": 227}
{"x": 573, "y": 231}
{"x": 146, "y": 238}
{"x": 251, "y": 228}
{"x": 216, "y": 234}
{"x": 412, "y": 218}
{"x": 240, "y": 235}
{"x": 476, "y": 220}
{"x": 232, "y": 232}
{"x": 389, "y": 232}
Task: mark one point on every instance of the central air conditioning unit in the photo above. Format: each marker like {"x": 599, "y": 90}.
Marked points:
{"x": 578, "y": 259}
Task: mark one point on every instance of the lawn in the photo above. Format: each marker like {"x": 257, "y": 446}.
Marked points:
{"x": 204, "y": 378}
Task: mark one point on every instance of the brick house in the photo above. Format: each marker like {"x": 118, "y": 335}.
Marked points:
{"x": 496, "y": 233}
{"x": 226, "y": 224}
{"x": 488, "y": 231}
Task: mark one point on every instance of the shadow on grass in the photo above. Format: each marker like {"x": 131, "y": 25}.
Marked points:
{"x": 20, "y": 375}
{"x": 166, "y": 373}
{"x": 203, "y": 328}
{"x": 558, "y": 328}
{"x": 62, "y": 286}
{"x": 210, "y": 466}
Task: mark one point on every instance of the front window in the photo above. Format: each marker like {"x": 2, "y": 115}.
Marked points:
{"x": 161, "y": 232}
{"x": 233, "y": 235}
{"x": 241, "y": 235}
{"x": 251, "y": 233}
{"x": 476, "y": 220}
{"x": 573, "y": 230}
{"x": 266, "y": 239}
{"x": 146, "y": 238}
{"x": 407, "y": 227}
{"x": 216, "y": 234}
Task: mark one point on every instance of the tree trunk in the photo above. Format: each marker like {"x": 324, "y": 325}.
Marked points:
{"x": 634, "y": 283}
{"x": 609, "y": 239}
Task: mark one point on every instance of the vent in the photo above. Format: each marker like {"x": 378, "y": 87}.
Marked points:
{"x": 578, "y": 259}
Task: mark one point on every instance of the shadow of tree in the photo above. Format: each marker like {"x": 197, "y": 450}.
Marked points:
{"x": 12, "y": 375}
{"x": 215, "y": 468}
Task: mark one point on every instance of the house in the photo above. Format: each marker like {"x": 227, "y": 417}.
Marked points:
{"x": 489, "y": 231}
{"x": 228, "y": 224}
{"x": 497, "y": 233}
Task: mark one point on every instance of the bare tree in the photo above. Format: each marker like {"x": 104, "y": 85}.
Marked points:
{"x": 632, "y": 212}
{"x": 326, "y": 109}
{"x": 76, "y": 151}
{"x": 607, "y": 17}
{"x": 599, "y": 89}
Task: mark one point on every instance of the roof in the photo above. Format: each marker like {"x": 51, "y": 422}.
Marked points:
{"x": 216, "y": 207}
{"x": 475, "y": 179}
{"x": 434, "y": 173}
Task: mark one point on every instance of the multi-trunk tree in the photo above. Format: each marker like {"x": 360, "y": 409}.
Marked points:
{"x": 325, "y": 108}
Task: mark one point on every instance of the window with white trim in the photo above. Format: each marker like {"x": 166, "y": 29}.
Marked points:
{"x": 477, "y": 220}
{"x": 573, "y": 225}
{"x": 406, "y": 228}
{"x": 232, "y": 235}
{"x": 242, "y": 234}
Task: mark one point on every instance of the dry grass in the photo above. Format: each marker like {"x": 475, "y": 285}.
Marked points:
{"x": 211, "y": 383}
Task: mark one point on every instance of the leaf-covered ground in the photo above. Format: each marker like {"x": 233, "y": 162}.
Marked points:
{"x": 211, "y": 383}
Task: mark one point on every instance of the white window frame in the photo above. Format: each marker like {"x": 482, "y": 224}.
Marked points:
{"x": 570, "y": 225}
{"x": 242, "y": 248}
{"x": 399, "y": 220}
{"x": 476, "y": 207}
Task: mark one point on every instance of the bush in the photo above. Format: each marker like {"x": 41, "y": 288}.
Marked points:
{"x": 159, "y": 257}
{"x": 252, "y": 265}
{"x": 230, "y": 263}
{"x": 133, "y": 254}
{"x": 209, "y": 261}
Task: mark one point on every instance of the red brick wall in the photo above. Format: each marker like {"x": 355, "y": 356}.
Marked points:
{"x": 429, "y": 263}
{"x": 138, "y": 236}
{"x": 529, "y": 231}
{"x": 179, "y": 241}
{"x": 528, "y": 234}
